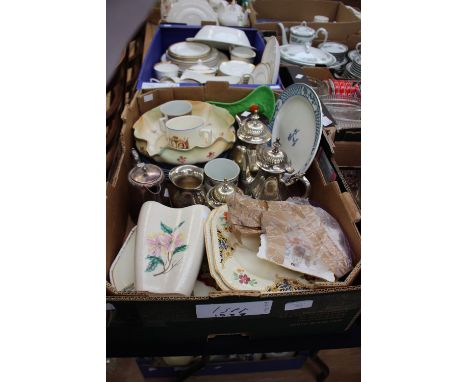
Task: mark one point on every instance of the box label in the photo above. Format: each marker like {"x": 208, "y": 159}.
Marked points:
{"x": 298, "y": 305}
{"x": 148, "y": 97}
{"x": 299, "y": 76}
{"x": 155, "y": 85}
{"x": 326, "y": 121}
{"x": 239, "y": 309}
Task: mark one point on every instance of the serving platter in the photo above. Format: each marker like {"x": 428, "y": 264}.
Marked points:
{"x": 297, "y": 122}
{"x": 168, "y": 249}
{"x": 300, "y": 55}
{"x": 240, "y": 269}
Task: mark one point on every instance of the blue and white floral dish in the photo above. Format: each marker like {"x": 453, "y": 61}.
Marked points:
{"x": 297, "y": 122}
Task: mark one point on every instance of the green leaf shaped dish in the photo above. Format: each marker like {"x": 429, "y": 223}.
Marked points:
{"x": 262, "y": 96}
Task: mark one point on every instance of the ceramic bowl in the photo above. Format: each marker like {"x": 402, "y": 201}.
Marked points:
{"x": 168, "y": 249}
{"x": 240, "y": 53}
{"x": 221, "y": 37}
{"x": 236, "y": 68}
{"x": 165, "y": 69}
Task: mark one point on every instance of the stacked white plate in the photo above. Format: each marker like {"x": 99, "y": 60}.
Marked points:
{"x": 336, "y": 49}
{"x": 186, "y": 54}
{"x": 353, "y": 68}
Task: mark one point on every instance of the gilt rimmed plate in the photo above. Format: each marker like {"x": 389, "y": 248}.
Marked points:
{"x": 272, "y": 57}
{"x": 297, "y": 122}
{"x": 240, "y": 269}
{"x": 261, "y": 75}
{"x": 189, "y": 50}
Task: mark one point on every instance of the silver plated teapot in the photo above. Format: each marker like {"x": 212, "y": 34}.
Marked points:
{"x": 269, "y": 182}
{"x": 251, "y": 133}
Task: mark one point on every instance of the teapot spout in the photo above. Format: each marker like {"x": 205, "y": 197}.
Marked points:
{"x": 284, "y": 38}
{"x": 239, "y": 121}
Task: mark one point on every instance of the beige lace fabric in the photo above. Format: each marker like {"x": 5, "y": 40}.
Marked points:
{"x": 297, "y": 236}
{"x": 245, "y": 211}
{"x": 301, "y": 238}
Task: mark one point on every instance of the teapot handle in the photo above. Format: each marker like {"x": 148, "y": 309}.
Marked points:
{"x": 324, "y": 32}
{"x": 301, "y": 177}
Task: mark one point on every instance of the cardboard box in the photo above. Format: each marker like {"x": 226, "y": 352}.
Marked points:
{"x": 343, "y": 22}
{"x": 347, "y": 153}
{"x": 168, "y": 34}
{"x": 334, "y": 308}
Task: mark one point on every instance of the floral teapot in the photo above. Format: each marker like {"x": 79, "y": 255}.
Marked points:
{"x": 232, "y": 15}
{"x": 301, "y": 34}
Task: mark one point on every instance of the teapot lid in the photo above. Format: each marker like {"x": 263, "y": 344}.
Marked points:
{"x": 145, "y": 175}
{"x": 273, "y": 159}
{"x": 253, "y": 130}
{"x": 218, "y": 194}
{"x": 303, "y": 30}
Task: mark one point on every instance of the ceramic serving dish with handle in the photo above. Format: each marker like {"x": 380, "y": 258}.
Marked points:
{"x": 168, "y": 249}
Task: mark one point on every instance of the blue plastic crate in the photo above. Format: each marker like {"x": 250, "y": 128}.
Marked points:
{"x": 168, "y": 34}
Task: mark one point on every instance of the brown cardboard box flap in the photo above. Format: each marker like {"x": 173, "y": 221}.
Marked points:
{"x": 343, "y": 21}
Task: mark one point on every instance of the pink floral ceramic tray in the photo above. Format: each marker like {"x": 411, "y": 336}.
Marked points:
{"x": 169, "y": 248}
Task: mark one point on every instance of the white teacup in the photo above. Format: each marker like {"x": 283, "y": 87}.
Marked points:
{"x": 186, "y": 132}
{"x": 166, "y": 69}
{"x": 216, "y": 170}
{"x": 176, "y": 108}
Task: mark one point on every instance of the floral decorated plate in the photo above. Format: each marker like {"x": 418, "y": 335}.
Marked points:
{"x": 297, "y": 122}
{"x": 210, "y": 255}
{"x": 122, "y": 270}
{"x": 241, "y": 269}
{"x": 168, "y": 249}
{"x": 152, "y": 140}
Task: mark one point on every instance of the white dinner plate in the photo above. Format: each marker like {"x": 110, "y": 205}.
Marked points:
{"x": 191, "y": 12}
{"x": 297, "y": 122}
{"x": 272, "y": 57}
{"x": 191, "y": 50}
{"x": 261, "y": 75}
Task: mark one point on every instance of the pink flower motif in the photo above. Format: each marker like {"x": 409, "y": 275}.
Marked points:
{"x": 210, "y": 154}
{"x": 244, "y": 279}
{"x": 176, "y": 240}
{"x": 181, "y": 159}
